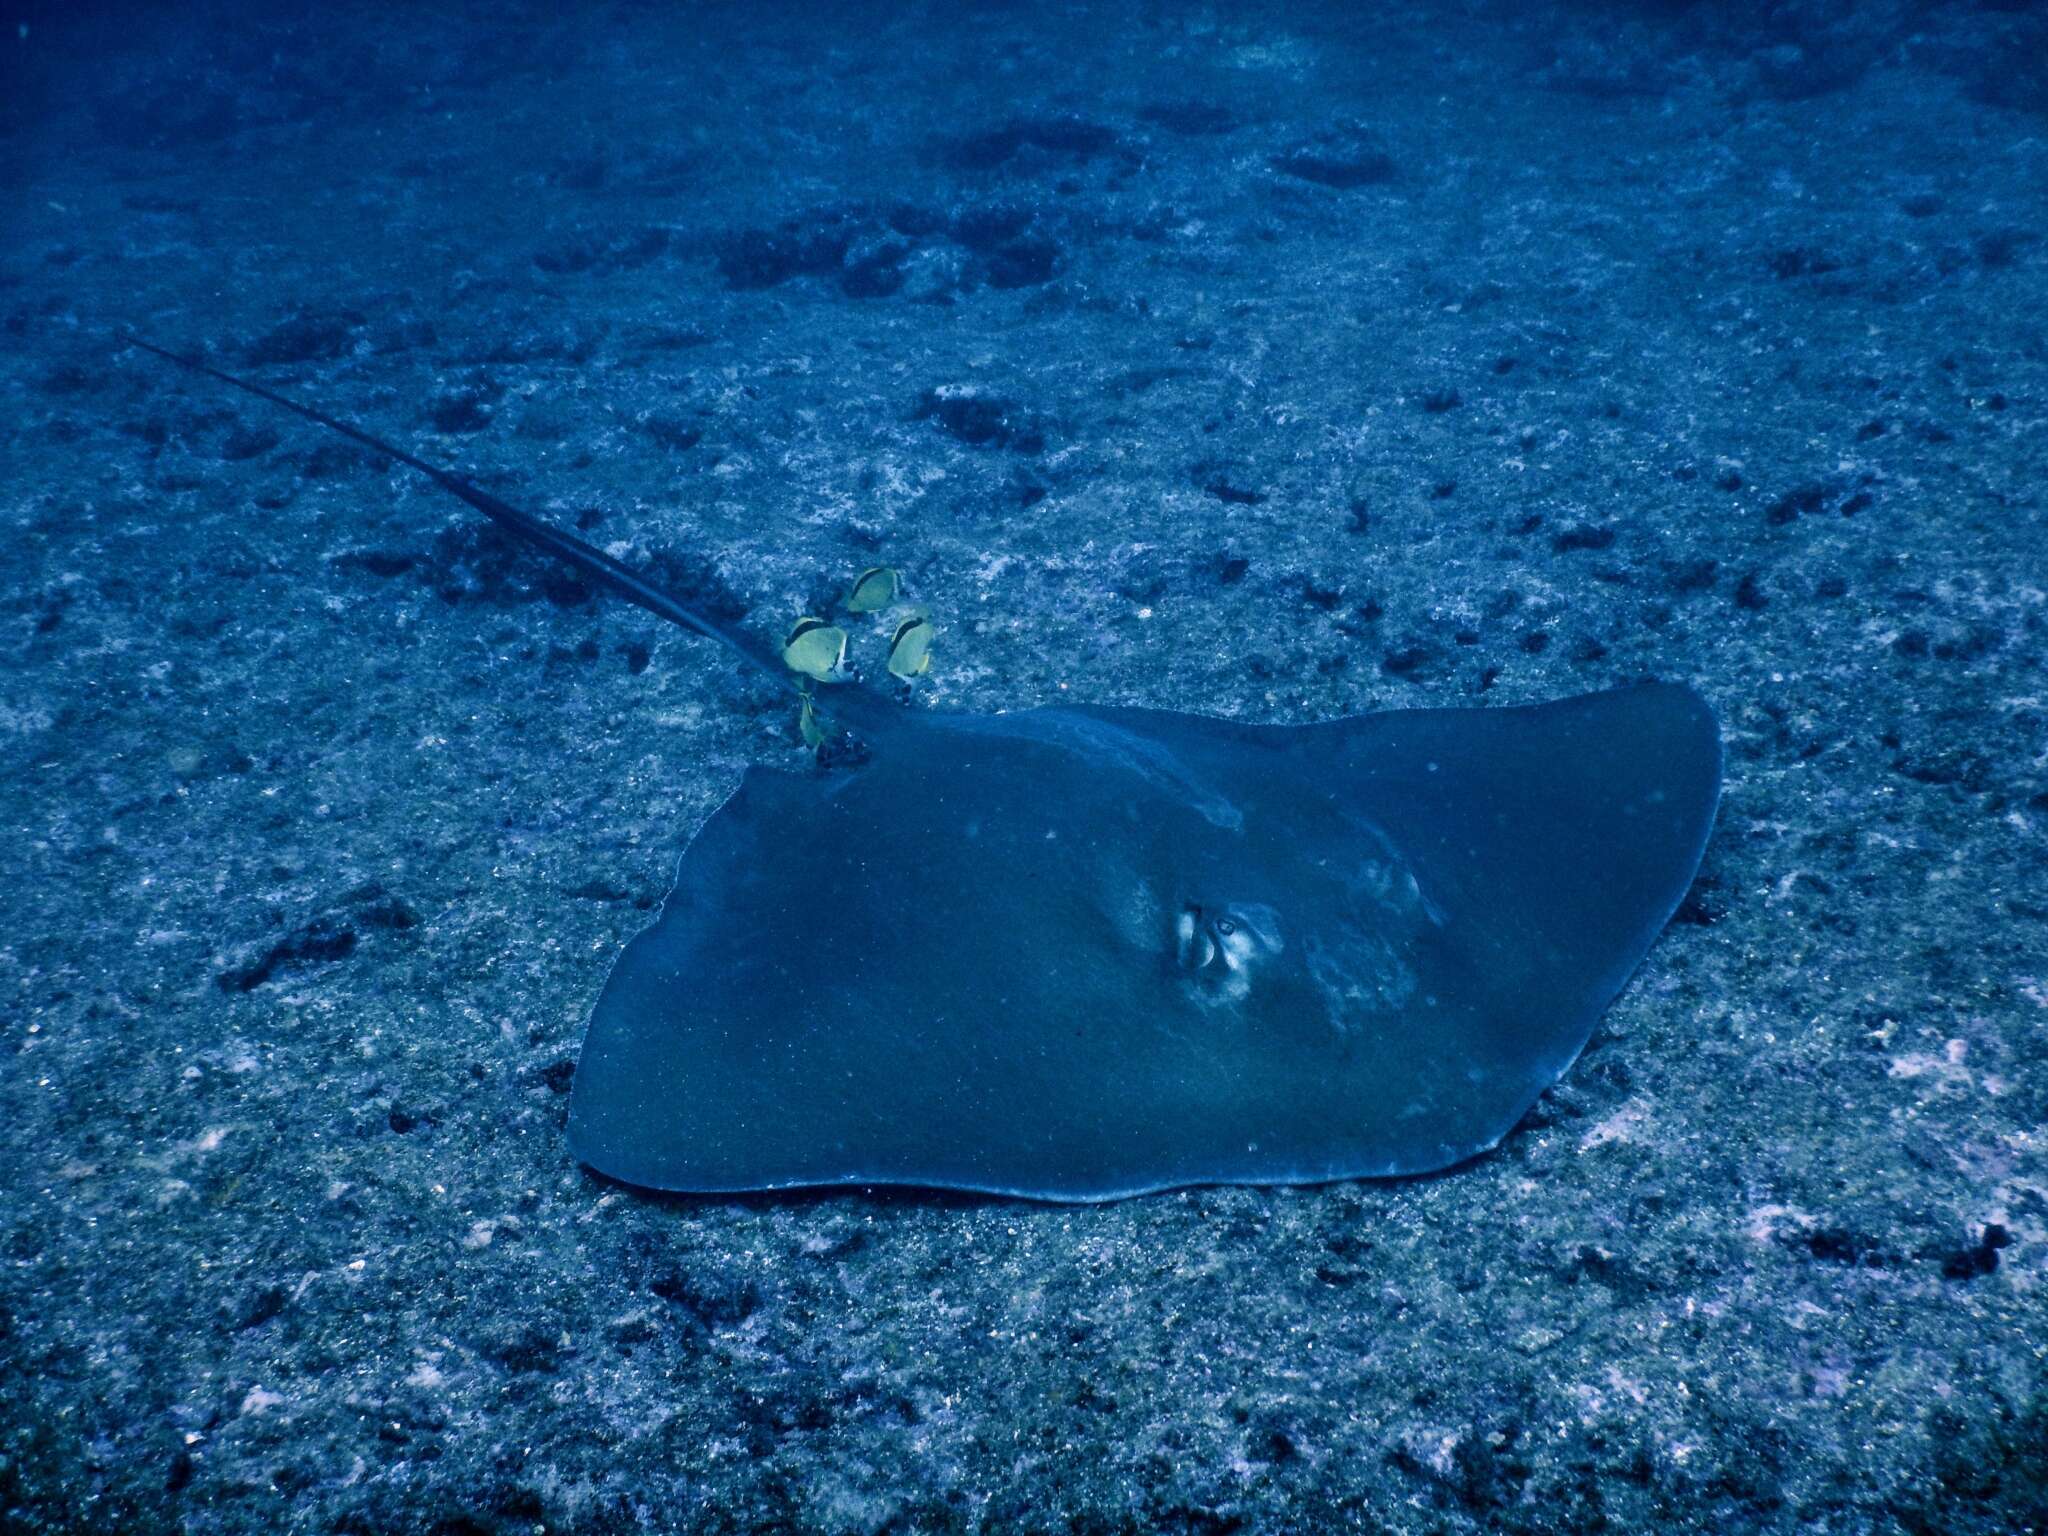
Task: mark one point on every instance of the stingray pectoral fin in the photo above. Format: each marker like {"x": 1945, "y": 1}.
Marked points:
{"x": 1550, "y": 846}
{"x": 1579, "y": 824}
{"x": 637, "y": 1110}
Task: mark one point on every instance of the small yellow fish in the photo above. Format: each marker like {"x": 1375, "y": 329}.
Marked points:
{"x": 873, "y": 590}
{"x": 808, "y": 725}
{"x": 910, "y": 651}
{"x": 816, "y": 649}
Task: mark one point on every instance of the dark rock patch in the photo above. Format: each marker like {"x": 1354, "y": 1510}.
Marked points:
{"x": 258, "y": 1307}
{"x": 304, "y": 338}
{"x": 1023, "y": 264}
{"x": 673, "y": 338}
{"x": 1706, "y": 902}
{"x": 813, "y": 245}
{"x": 553, "y": 342}
{"x": 404, "y": 1122}
{"x": 2001, "y": 248}
{"x": 1955, "y": 768}
{"x": 714, "y": 1303}
{"x": 69, "y": 379}
{"x": 917, "y": 221}
{"x": 1344, "y": 158}
{"x": 328, "y": 936}
{"x": 1688, "y": 576}
{"x": 481, "y": 563}
{"x": 1979, "y": 1259}
{"x": 463, "y": 411}
{"x": 1850, "y": 1248}
{"x": 522, "y": 1349}
{"x": 1796, "y": 503}
{"x": 1324, "y": 596}
{"x": 1191, "y": 119}
{"x": 672, "y": 432}
{"x": 1025, "y": 491}
{"x": 586, "y": 251}
{"x": 1413, "y": 663}
{"x": 873, "y": 269}
{"x": 695, "y": 582}
{"x": 375, "y": 907}
{"x": 981, "y": 420}
{"x": 1030, "y": 144}
{"x": 557, "y": 1076}
{"x": 247, "y": 443}
{"x": 1226, "y": 486}
{"x": 1800, "y": 261}
{"x": 376, "y": 562}
{"x": 1582, "y": 536}
{"x": 577, "y": 253}
{"x": 321, "y": 939}
{"x": 985, "y": 227}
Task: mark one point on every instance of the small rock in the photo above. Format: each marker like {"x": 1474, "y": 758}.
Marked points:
{"x": 1345, "y": 158}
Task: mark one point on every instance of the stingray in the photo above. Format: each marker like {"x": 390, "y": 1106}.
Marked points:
{"x": 1082, "y": 952}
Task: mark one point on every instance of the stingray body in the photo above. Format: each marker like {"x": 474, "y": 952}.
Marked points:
{"x": 1079, "y": 953}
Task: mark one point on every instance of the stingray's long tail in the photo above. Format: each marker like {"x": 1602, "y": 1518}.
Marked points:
{"x": 859, "y": 708}
{"x": 563, "y": 546}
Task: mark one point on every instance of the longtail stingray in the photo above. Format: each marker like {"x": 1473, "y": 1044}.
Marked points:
{"x": 1083, "y": 952}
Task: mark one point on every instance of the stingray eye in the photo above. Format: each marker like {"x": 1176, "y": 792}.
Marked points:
{"x": 1225, "y": 927}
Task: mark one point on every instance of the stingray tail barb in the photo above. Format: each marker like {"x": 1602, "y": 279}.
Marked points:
{"x": 857, "y": 706}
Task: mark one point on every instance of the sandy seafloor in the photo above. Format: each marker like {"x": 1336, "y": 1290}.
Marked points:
{"x": 1265, "y": 361}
